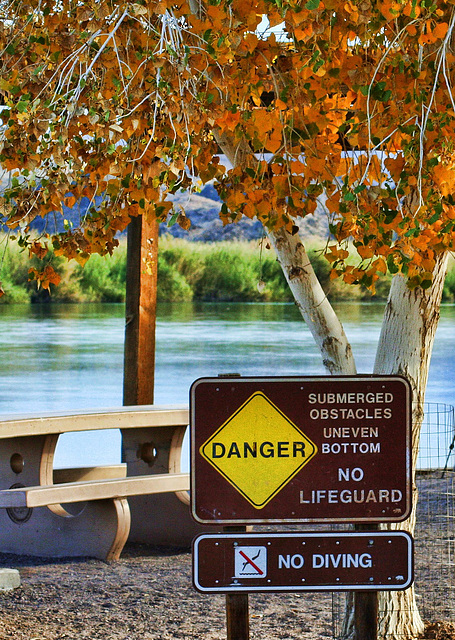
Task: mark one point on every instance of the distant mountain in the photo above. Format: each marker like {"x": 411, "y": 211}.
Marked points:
{"x": 203, "y": 210}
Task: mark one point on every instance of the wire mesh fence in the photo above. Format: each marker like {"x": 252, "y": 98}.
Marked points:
{"x": 435, "y": 529}
{"x": 434, "y": 535}
{"x": 437, "y": 438}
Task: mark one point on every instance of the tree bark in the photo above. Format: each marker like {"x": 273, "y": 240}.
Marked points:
{"x": 408, "y": 330}
{"x": 313, "y": 304}
{"x": 405, "y": 346}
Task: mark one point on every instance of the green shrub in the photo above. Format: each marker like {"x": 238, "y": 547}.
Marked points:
{"x": 448, "y": 294}
{"x": 172, "y": 285}
{"x": 14, "y": 273}
{"x": 103, "y": 278}
{"x": 228, "y": 276}
{"x": 224, "y": 271}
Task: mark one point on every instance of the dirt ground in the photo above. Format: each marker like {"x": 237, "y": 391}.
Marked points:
{"x": 148, "y": 593}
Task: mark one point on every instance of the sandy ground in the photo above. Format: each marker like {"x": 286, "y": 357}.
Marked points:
{"x": 148, "y": 594}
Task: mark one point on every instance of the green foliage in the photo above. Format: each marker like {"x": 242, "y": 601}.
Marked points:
{"x": 14, "y": 275}
{"x": 233, "y": 271}
{"x": 173, "y": 286}
{"x": 102, "y": 278}
{"x": 224, "y": 271}
{"x": 448, "y": 293}
{"x": 239, "y": 271}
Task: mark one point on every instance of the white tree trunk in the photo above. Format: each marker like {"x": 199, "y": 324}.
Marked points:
{"x": 309, "y": 296}
{"x": 405, "y": 347}
{"x": 409, "y": 328}
{"x": 313, "y": 304}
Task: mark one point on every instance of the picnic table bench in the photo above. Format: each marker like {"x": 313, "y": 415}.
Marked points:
{"x": 93, "y": 511}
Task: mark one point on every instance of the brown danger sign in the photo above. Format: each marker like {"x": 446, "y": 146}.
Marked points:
{"x": 303, "y": 562}
{"x": 301, "y": 449}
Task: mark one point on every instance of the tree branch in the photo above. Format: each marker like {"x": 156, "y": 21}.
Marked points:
{"x": 313, "y": 304}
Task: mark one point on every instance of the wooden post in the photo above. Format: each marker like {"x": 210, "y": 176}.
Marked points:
{"x": 140, "y": 312}
{"x": 237, "y": 616}
{"x": 237, "y": 606}
{"x": 366, "y": 615}
{"x": 366, "y": 604}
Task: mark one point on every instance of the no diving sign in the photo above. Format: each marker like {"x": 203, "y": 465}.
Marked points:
{"x": 250, "y": 562}
{"x": 302, "y": 562}
{"x": 301, "y": 449}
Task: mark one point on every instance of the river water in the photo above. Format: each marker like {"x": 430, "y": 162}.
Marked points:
{"x": 70, "y": 357}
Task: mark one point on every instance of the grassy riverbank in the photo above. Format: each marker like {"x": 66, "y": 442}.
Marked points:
{"x": 225, "y": 271}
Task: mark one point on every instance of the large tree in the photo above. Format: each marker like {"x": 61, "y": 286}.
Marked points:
{"x": 122, "y": 103}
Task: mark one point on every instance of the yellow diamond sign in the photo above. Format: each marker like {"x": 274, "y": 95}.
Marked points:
{"x": 258, "y": 450}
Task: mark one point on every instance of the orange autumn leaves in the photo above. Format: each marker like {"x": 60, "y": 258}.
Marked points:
{"x": 263, "y": 127}
{"x": 46, "y": 277}
{"x": 122, "y": 103}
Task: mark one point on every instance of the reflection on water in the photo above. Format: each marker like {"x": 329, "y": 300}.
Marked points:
{"x": 60, "y": 357}
{"x": 70, "y": 357}
{"x": 251, "y": 339}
